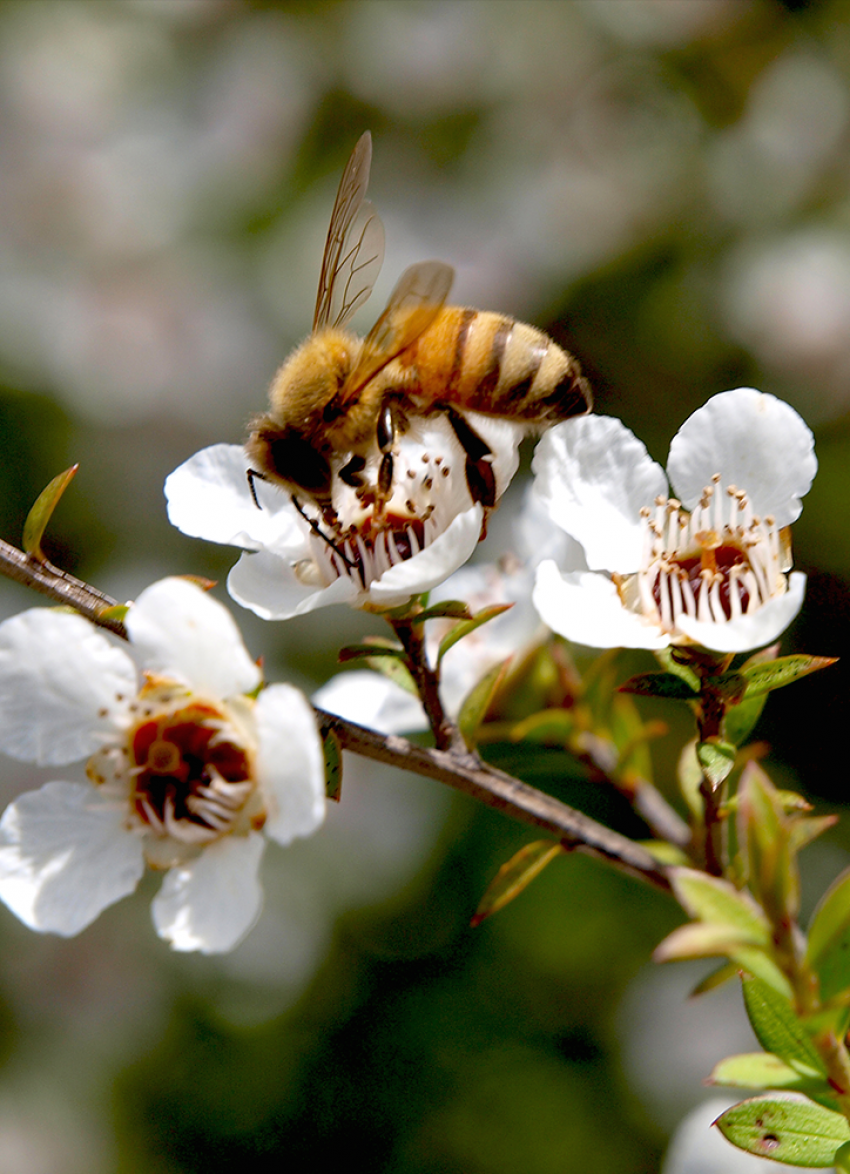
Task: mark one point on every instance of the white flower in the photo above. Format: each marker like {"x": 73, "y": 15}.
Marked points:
{"x": 186, "y": 767}
{"x": 708, "y": 567}
{"x": 430, "y": 528}
{"x": 374, "y": 700}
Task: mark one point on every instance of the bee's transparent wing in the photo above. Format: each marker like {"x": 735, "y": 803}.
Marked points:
{"x": 354, "y": 249}
{"x": 414, "y": 304}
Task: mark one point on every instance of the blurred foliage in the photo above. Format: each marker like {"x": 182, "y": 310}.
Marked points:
{"x": 663, "y": 185}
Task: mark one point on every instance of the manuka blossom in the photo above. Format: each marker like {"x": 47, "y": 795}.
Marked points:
{"x": 190, "y": 765}
{"x": 296, "y": 560}
{"x": 374, "y": 700}
{"x": 706, "y": 567}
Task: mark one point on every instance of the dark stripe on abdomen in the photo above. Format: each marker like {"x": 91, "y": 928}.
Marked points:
{"x": 460, "y": 347}
{"x": 501, "y": 338}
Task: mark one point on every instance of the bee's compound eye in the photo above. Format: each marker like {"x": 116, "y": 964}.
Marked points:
{"x": 296, "y": 461}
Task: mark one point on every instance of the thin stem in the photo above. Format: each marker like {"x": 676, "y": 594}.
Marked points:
{"x": 453, "y": 765}
{"x": 59, "y": 586}
{"x": 576, "y": 831}
{"x": 446, "y": 734}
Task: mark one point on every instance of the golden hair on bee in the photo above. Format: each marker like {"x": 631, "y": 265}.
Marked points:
{"x": 338, "y": 396}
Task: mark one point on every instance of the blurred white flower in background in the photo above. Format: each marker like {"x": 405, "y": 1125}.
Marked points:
{"x": 708, "y": 567}
{"x": 186, "y": 767}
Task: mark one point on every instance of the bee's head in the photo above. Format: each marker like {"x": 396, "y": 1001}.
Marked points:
{"x": 285, "y": 456}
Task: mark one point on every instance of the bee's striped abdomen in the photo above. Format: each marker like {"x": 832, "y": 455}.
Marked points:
{"x": 493, "y": 364}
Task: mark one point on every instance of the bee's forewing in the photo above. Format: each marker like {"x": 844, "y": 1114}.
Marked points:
{"x": 354, "y": 248}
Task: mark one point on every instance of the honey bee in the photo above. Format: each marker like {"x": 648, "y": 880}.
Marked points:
{"x": 337, "y": 395}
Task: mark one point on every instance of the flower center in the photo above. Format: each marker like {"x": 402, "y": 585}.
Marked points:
{"x": 714, "y": 564}
{"x": 185, "y": 768}
{"x": 360, "y": 541}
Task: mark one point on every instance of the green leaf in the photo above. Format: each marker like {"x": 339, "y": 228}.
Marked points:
{"x": 514, "y": 876}
{"x": 332, "y": 748}
{"x": 841, "y": 1161}
{"x": 478, "y": 700}
{"x": 672, "y": 662}
{"x": 715, "y": 979}
{"x": 42, "y": 512}
{"x": 449, "y": 609}
{"x": 828, "y": 950}
{"x": 739, "y": 720}
{"x": 778, "y": 1029}
{"x": 756, "y": 1070}
{"x": 370, "y": 649}
{"x": 718, "y": 902}
{"x": 667, "y": 685}
{"x": 717, "y": 760}
{"x": 466, "y": 626}
{"x": 551, "y": 727}
{"x": 764, "y": 1070}
{"x": 804, "y": 831}
{"x": 795, "y": 1132}
{"x": 764, "y": 678}
{"x": 699, "y": 940}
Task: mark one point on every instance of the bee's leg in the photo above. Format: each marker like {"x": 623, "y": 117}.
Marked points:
{"x": 479, "y": 458}
{"x": 390, "y": 423}
{"x": 255, "y": 474}
{"x": 317, "y": 529}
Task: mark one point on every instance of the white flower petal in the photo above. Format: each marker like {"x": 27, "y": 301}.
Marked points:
{"x": 212, "y": 902}
{"x": 433, "y": 564}
{"x": 61, "y": 681}
{"x": 290, "y": 763}
{"x": 65, "y": 855}
{"x": 750, "y": 631}
{"x": 372, "y": 700}
{"x": 268, "y": 586}
{"x": 594, "y": 476}
{"x": 585, "y": 607}
{"x": 209, "y": 497}
{"x": 177, "y": 629}
{"x": 757, "y": 442}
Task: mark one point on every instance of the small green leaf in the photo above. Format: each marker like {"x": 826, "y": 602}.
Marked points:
{"x": 366, "y": 650}
{"x": 764, "y": 1070}
{"x": 841, "y": 1161}
{"x": 42, "y": 512}
{"x": 764, "y": 678}
{"x": 698, "y": 940}
{"x": 675, "y": 661}
{"x": 717, "y": 760}
{"x": 778, "y": 1029}
{"x": 667, "y": 685}
{"x": 332, "y": 748}
{"x": 552, "y": 727}
{"x": 792, "y": 1131}
{"x": 514, "y": 876}
{"x": 756, "y": 1070}
{"x": 730, "y": 686}
{"x": 449, "y": 609}
{"x": 715, "y": 979}
{"x": 478, "y": 700}
{"x": 118, "y": 613}
{"x": 466, "y": 626}
{"x": 828, "y": 951}
{"x": 739, "y": 720}
{"x": 804, "y": 831}
{"x": 718, "y": 902}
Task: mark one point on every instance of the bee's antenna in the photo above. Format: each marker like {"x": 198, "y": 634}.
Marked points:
{"x": 316, "y": 528}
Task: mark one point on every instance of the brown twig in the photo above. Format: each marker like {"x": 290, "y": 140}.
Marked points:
{"x": 450, "y": 764}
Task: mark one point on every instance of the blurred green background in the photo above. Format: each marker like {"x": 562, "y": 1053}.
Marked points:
{"x": 663, "y": 185}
